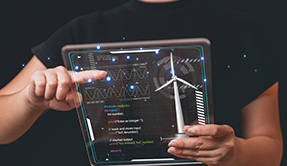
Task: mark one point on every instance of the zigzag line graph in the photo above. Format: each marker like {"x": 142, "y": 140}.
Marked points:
{"x": 123, "y": 92}
{"x": 123, "y": 73}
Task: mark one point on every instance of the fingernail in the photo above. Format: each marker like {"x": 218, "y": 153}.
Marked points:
{"x": 172, "y": 143}
{"x": 192, "y": 130}
{"x": 103, "y": 72}
{"x": 171, "y": 150}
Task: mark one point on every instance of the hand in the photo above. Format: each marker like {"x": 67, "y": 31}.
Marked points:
{"x": 214, "y": 146}
{"x": 55, "y": 88}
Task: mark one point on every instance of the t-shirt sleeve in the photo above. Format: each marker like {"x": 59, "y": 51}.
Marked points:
{"x": 261, "y": 63}
{"x": 84, "y": 29}
{"x": 49, "y": 51}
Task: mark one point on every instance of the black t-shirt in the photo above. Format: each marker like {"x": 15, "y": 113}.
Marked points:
{"x": 243, "y": 61}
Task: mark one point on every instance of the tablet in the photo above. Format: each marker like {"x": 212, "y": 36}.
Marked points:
{"x": 151, "y": 90}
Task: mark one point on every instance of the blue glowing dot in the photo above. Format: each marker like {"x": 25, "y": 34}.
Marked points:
{"x": 255, "y": 70}
{"x": 132, "y": 87}
{"x": 228, "y": 66}
{"x": 205, "y": 80}
{"x": 147, "y": 72}
{"x": 104, "y": 89}
{"x": 76, "y": 67}
{"x": 124, "y": 38}
{"x": 244, "y": 56}
{"x": 157, "y": 52}
{"x": 23, "y": 65}
{"x": 144, "y": 99}
{"x": 202, "y": 58}
{"x": 177, "y": 62}
{"x": 137, "y": 59}
{"x": 89, "y": 80}
{"x": 141, "y": 48}
{"x": 98, "y": 47}
{"x": 187, "y": 59}
{"x": 158, "y": 64}
{"x": 114, "y": 59}
{"x": 183, "y": 91}
{"x": 49, "y": 58}
{"x": 108, "y": 78}
{"x": 128, "y": 57}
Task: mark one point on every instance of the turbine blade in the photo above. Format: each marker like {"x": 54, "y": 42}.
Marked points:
{"x": 171, "y": 65}
{"x": 185, "y": 82}
{"x": 164, "y": 85}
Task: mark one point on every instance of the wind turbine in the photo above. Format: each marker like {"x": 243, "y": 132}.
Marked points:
{"x": 178, "y": 109}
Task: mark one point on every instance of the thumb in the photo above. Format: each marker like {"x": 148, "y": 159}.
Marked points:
{"x": 74, "y": 99}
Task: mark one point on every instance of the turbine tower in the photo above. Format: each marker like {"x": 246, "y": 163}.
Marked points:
{"x": 178, "y": 109}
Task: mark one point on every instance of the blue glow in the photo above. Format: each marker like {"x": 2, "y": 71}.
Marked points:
{"x": 187, "y": 59}
{"x": 228, "y": 66}
{"x": 255, "y": 70}
{"x": 144, "y": 99}
{"x": 183, "y": 91}
{"x": 244, "y": 56}
{"x": 113, "y": 59}
{"x": 104, "y": 89}
{"x": 76, "y": 67}
{"x": 98, "y": 47}
{"x": 89, "y": 80}
{"x": 137, "y": 59}
{"x": 202, "y": 58}
{"x": 177, "y": 62}
{"x": 158, "y": 64}
{"x": 147, "y": 72}
{"x": 157, "y": 52}
{"x": 141, "y": 48}
{"x": 49, "y": 58}
{"x": 128, "y": 57}
{"x": 108, "y": 78}
{"x": 124, "y": 38}
{"x": 205, "y": 80}
{"x": 132, "y": 87}
{"x": 23, "y": 65}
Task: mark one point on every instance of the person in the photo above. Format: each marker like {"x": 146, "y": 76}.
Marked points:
{"x": 244, "y": 78}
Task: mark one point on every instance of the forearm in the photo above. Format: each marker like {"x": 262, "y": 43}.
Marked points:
{"x": 16, "y": 116}
{"x": 258, "y": 151}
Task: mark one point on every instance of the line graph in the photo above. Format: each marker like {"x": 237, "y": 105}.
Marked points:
{"x": 128, "y": 92}
{"x": 120, "y": 74}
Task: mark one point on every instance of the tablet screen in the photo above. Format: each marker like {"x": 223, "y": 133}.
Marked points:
{"x": 147, "y": 96}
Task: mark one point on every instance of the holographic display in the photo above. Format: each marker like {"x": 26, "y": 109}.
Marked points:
{"x": 151, "y": 90}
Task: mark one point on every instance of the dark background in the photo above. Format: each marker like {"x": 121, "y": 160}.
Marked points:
{"x": 24, "y": 24}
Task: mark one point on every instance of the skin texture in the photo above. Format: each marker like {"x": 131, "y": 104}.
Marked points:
{"x": 217, "y": 145}
{"x": 35, "y": 90}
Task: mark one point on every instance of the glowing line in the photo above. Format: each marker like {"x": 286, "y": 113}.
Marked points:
{"x": 126, "y": 74}
{"x": 118, "y": 94}
{"x": 133, "y": 51}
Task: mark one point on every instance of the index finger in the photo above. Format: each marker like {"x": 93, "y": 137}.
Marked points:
{"x": 208, "y": 130}
{"x": 86, "y": 76}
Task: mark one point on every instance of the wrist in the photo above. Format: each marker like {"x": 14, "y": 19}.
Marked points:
{"x": 237, "y": 159}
